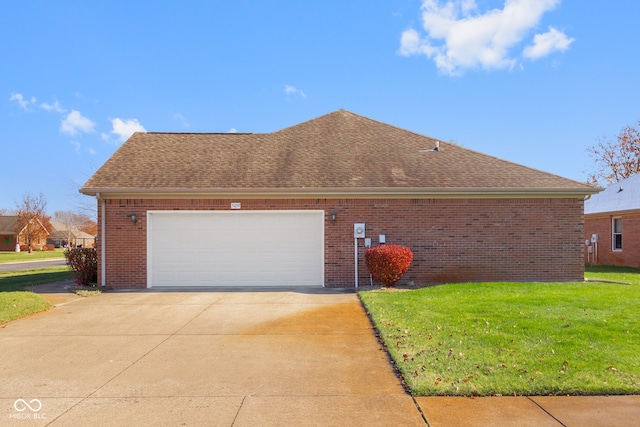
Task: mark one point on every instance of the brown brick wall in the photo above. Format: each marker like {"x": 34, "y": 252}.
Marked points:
{"x": 11, "y": 245}
{"x": 601, "y": 225}
{"x": 452, "y": 239}
{"x": 7, "y": 243}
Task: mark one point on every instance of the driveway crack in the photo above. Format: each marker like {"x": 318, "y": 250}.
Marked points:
{"x": 238, "y": 411}
{"x": 547, "y": 412}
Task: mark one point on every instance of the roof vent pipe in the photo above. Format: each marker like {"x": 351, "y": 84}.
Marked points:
{"x": 435, "y": 148}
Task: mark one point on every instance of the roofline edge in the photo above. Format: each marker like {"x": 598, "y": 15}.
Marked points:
{"x": 622, "y": 212}
{"x": 278, "y": 193}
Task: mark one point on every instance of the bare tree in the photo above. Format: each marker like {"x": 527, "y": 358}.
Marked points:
{"x": 69, "y": 220}
{"x": 83, "y": 204}
{"x": 75, "y": 222}
{"x": 32, "y": 217}
{"x": 616, "y": 160}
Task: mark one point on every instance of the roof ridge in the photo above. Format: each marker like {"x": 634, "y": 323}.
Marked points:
{"x": 314, "y": 119}
{"x": 359, "y": 117}
{"x": 197, "y": 133}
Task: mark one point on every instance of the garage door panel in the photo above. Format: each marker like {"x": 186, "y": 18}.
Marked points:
{"x": 225, "y": 248}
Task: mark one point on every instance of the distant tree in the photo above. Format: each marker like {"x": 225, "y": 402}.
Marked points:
{"x": 69, "y": 220}
{"x": 32, "y": 216}
{"x": 76, "y": 221}
{"x": 88, "y": 225}
{"x": 616, "y": 160}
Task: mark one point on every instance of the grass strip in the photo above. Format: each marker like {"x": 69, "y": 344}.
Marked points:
{"x": 34, "y": 256}
{"x": 613, "y": 274}
{"x": 15, "y": 302}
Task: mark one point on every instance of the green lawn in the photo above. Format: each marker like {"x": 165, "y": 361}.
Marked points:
{"x": 15, "y": 302}
{"x": 34, "y": 256}
{"x": 612, "y": 273}
{"x": 514, "y": 338}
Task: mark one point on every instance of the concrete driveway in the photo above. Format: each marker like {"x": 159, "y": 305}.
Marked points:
{"x": 224, "y": 358}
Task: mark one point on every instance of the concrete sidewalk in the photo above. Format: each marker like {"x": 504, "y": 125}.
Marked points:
{"x": 532, "y": 411}
{"x": 235, "y": 358}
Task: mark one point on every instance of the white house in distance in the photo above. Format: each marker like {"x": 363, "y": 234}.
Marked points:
{"x": 612, "y": 225}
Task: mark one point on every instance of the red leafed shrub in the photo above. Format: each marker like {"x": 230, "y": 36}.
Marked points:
{"x": 84, "y": 264}
{"x": 387, "y": 263}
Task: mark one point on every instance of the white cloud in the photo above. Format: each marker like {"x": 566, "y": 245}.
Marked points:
{"x": 458, "y": 36}
{"x": 25, "y": 103}
{"x": 232, "y": 130}
{"x": 292, "y": 90}
{"x": 468, "y": 6}
{"x": 412, "y": 44}
{"x": 125, "y": 128}
{"x": 53, "y": 107}
{"x": 21, "y": 101}
{"x": 75, "y": 123}
{"x": 547, "y": 43}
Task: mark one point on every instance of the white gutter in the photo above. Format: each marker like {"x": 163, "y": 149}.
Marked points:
{"x": 342, "y": 192}
{"x": 103, "y": 271}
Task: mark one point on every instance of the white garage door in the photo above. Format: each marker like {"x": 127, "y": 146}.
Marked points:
{"x": 235, "y": 248}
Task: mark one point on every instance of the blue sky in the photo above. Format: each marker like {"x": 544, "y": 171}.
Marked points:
{"x": 531, "y": 81}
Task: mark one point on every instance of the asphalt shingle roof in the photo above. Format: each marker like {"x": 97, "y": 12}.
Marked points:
{"x": 340, "y": 151}
{"x": 61, "y": 231}
{"x": 619, "y": 197}
{"x": 7, "y": 224}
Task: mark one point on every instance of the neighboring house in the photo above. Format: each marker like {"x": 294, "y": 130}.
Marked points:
{"x": 281, "y": 208}
{"x": 61, "y": 235}
{"x": 614, "y": 216}
{"x": 9, "y": 238}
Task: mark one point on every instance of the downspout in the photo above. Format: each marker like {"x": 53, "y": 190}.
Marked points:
{"x": 103, "y": 271}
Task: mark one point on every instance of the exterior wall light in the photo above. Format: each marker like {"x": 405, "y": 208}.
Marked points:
{"x": 333, "y": 217}
{"x": 134, "y": 218}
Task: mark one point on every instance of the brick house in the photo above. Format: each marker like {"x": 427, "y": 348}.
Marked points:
{"x": 280, "y": 208}
{"x": 11, "y": 238}
{"x": 614, "y": 216}
{"x": 68, "y": 235}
